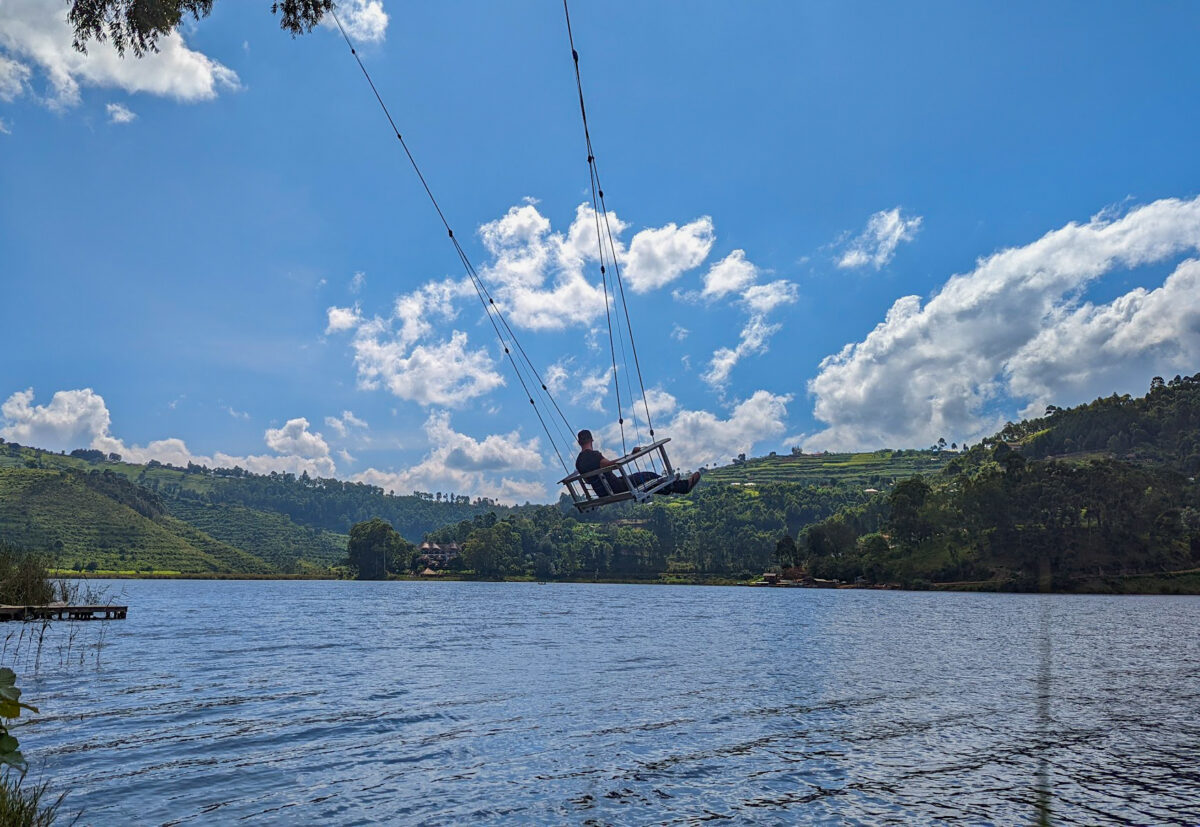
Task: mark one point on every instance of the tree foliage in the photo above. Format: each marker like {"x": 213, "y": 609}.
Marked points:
{"x": 375, "y": 549}
{"x": 137, "y": 25}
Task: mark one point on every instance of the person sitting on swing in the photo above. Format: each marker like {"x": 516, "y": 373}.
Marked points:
{"x": 590, "y": 459}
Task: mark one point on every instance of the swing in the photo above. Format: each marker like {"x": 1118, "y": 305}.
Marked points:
{"x": 594, "y": 488}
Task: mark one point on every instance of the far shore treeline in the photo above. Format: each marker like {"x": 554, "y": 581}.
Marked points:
{"x": 1100, "y": 497}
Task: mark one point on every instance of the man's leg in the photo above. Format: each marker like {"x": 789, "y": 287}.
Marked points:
{"x": 640, "y": 478}
{"x": 685, "y": 485}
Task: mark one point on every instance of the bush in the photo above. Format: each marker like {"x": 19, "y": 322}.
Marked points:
{"x": 24, "y": 578}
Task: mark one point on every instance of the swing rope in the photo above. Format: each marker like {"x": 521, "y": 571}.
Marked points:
{"x": 600, "y": 212}
{"x": 491, "y": 309}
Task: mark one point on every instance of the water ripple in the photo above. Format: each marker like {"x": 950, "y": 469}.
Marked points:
{"x": 444, "y": 703}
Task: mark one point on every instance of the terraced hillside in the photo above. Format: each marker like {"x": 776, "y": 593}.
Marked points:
{"x": 877, "y": 469}
{"x": 288, "y": 524}
{"x": 87, "y": 526}
{"x": 290, "y": 548}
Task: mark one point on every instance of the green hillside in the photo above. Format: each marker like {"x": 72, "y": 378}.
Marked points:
{"x": 234, "y": 520}
{"x": 1102, "y": 496}
{"x": 870, "y": 470}
{"x": 83, "y": 525}
{"x": 273, "y": 537}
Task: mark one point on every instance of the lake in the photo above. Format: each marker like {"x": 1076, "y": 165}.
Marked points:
{"x": 506, "y": 703}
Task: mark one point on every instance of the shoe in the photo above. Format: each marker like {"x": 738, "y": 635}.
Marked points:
{"x": 693, "y": 479}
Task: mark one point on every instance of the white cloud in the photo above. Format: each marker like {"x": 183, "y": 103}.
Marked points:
{"x": 444, "y": 373}
{"x": 759, "y": 300}
{"x": 763, "y": 298}
{"x": 342, "y": 318}
{"x": 80, "y": 419}
{"x": 679, "y": 333}
{"x": 732, "y": 274}
{"x": 71, "y": 420}
{"x": 356, "y": 283}
{"x": 1094, "y": 348}
{"x": 753, "y": 341}
{"x": 295, "y": 438}
{"x": 434, "y": 302}
{"x": 14, "y": 78}
{"x": 364, "y": 20}
{"x": 877, "y": 244}
{"x": 4, "y": 130}
{"x": 581, "y": 386}
{"x": 658, "y": 256}
{"x": 1015, "y": 327}
{"x": 38, "y": 31}
{"x": 236, "y": 414}
{"x": 463, "y": 465}
{"x": 701, "y": 438}
{"x": 117, "y": 113}
{"x": 343, "y": 425}
{"x": 537, "y": 275}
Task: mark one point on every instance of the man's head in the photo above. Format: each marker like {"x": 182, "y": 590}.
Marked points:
{"x": 585, "y": 438}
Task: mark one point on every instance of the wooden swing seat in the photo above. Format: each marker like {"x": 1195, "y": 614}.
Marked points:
{"x": 582, "y": 487}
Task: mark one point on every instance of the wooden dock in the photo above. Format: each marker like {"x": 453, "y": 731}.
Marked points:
{"x": 63, "y": 611}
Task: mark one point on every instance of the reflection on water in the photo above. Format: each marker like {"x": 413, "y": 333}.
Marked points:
{"x": 356, "y": 703}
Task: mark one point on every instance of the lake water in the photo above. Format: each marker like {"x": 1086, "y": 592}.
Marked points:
{"x": 494, "y": 703}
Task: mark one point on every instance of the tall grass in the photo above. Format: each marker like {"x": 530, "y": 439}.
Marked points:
{"x": 26, "y": 805}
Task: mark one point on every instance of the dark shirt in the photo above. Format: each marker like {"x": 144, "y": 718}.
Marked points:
{"x": 590, "y": 461}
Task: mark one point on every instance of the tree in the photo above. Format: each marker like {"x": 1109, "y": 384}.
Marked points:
{"x": 376, "y": 548}
{"x": 785, "y": 552}
{"x": 492, "y": 551}
{"x": 138, "y": 24}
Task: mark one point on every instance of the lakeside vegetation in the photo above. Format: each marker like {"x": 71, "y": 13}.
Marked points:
{"x": 1101, "y": 495}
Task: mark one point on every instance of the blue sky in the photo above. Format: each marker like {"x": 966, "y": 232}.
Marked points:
{"x": 842, "y": 226}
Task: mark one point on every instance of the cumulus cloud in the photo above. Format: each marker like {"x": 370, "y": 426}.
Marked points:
{"x": 537, "y": 275}
{"x": 37, "y": 32}
{"x": 731, "y": 274}
{"x": 446, "y": 373}
{"x": 876, "y": 245}
{"x": 658, "y": 256}
{"x": 72, "y": 419}
{"x": 356, "y": 283}
{"x": 1093, "y": 348}
{"x": 702, "y": 438}
{"x": 295, "y": 438}
{"x": 342, "y": 318}
{"x": 461, "y": 464}
{"x": 80, "y": 419}
{"x": 118, "y": 113}
{"x": 1016, "y": 329}
{"x": 364, "y": 20}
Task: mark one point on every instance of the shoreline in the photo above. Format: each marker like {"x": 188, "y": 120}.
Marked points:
{"x": 1182, "y": 583}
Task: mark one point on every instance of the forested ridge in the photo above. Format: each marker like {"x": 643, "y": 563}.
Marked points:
{"x": 1099, "y": 496}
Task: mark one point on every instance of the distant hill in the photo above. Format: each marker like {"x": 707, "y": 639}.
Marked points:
{"x": 1160, "y": 428}
{"x": 110, "y": 525}
{"x": 1099, "y": 497}
{"x": 197, "y": 519}
{"x": 868, "y": 470}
